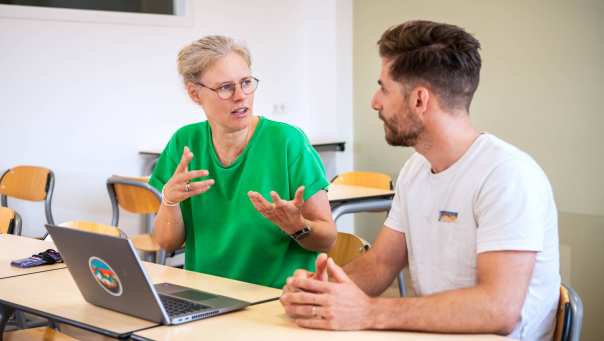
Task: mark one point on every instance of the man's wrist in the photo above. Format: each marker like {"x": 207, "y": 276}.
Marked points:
{"x": 372, "y": 314}
{"x": 385, "y": 313}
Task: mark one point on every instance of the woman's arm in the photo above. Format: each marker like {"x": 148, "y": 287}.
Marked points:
{"x": 316, "y": 212}
{"x": 169, "y": 231}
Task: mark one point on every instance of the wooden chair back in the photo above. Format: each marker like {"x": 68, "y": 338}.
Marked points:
{"x": 562, "y": 314}
{"x": 132, "y": 194}
{"x": 348, "y": 246}
{"x": 7, "y": 218}
{"x": 25, "y": 183}
{"x": 367, "y": 179}
{"x": 31, "y": 183}
{"x": 93, "y": 227}
{"x": 569, "y": 318}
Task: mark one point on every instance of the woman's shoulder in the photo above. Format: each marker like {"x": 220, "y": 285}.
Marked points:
{"x": 283, "y": 131}
{"x": 191, "y": 129}
{"x": 193, "y": 134}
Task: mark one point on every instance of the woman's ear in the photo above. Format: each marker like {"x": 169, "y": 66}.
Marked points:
{"x": 193, "y": 93}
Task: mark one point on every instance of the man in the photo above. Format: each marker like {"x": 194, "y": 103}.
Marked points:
{"x": 473, "y": 216}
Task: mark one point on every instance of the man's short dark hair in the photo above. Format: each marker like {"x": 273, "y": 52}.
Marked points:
{"x": 444, "y": 57}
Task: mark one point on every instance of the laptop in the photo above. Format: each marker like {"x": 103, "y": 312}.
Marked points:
{"x": 109, "y": 274}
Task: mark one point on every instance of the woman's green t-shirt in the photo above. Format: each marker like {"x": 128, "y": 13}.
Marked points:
{"x": 225, "y": 235}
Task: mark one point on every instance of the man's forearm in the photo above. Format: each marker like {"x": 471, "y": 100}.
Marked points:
{"x": 371, "y": 276}
{"x": 471, "y": 310}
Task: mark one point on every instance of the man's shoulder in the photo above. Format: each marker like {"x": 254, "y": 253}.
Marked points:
{"x": 496, "y": 148}
{"x": 503, "y": 163}
{"x": 501, "y": 154}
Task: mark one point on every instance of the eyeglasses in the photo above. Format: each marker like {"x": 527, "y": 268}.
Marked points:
{"x": 225, "y": 91}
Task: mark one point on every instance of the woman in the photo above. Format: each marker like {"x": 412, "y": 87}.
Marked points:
{"x": 215, "y": 176}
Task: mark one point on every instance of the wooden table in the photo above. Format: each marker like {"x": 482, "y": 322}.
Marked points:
{"x": 54, "y": 295}
{"x": 268, "y": 321}
{"x": 15, "y": 247}
{"x": 244, "y": 291}
{"x": 350, "y": 199}
{"x": 342, "y": 193}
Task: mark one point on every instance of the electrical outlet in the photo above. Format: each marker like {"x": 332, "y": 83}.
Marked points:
{"x": 279, "y": 109}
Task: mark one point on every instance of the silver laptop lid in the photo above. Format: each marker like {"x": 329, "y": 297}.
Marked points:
{"x": 108, "y": 273}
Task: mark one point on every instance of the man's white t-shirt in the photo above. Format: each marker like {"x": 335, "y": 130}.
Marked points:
{"x": 494, "y": 198}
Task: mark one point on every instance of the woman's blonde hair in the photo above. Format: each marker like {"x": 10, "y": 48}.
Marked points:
{"x": 195, "y": 58}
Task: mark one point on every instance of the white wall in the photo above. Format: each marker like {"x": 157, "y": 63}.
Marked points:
{"x": 82, "y": 94}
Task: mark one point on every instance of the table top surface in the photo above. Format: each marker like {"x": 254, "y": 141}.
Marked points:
{"x": 60, "y": 298}
{"x": 16, "y": 247}
{"x": 54, "y": 293}
{"x": 268, "y": 321}
{"x": 348, "y": 192}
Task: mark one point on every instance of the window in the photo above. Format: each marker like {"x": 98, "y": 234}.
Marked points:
{"x": 131, "y": 12}
{"x": 135, "y": 6}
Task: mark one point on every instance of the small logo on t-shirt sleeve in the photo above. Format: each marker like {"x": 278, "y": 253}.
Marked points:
{"x": 447, "y": 216}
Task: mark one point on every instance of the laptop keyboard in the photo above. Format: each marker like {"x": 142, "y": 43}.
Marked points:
{"x": 177, "y": 307}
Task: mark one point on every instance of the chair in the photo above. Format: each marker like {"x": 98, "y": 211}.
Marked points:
{"x": 569, "y": 316}
{"x": 31, "y": 183}
{"x": 347, "y": 247}
{"x": 368, "y": 179}
{"x": 10, "y": 221}
{"x": 135, "y": 195}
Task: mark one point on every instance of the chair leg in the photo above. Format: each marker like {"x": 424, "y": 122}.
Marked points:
{"x": 160, "y": 257}
{"x": 20, "y": 319}
{"x": 5, "y": 314}
{"x": 402, "y": 289}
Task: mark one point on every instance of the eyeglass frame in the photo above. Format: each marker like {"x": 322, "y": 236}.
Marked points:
{"x": 234, "y": 89}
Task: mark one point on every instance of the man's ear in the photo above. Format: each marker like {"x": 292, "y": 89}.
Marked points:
{"x": 193, "y": 93}
{"x": 420, "y": 99}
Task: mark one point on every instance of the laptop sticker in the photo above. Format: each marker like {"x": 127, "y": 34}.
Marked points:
{"x": 105, "y": 276}
{"x": 447, "y": 217}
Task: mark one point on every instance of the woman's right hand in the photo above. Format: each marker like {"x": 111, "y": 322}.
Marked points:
{"x": 180, "y": 187}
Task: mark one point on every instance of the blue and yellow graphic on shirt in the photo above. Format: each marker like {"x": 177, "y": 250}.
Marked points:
{"x": 447, "y": 217}
{"x": 105, "y": 276}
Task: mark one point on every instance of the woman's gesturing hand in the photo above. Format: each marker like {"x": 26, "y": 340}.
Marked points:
{"x": 283, "y": 213}
{"x": 180, "y": 187}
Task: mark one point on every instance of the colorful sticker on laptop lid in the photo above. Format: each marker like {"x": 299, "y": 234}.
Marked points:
{"x": 105, "y": 276}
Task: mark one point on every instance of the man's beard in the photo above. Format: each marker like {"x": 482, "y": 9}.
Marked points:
{"x": 395, "y": 136}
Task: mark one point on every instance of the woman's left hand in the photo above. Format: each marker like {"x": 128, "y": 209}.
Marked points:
{"x": 285, "y": 214}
